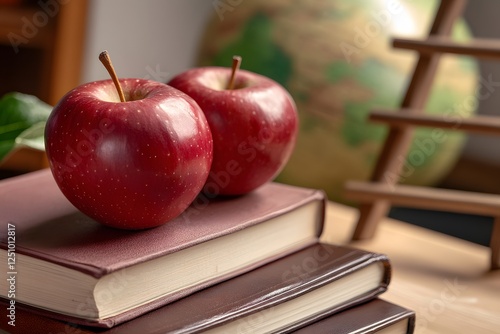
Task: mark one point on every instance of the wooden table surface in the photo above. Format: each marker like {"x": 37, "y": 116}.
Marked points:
{"x": 445, "y": 280}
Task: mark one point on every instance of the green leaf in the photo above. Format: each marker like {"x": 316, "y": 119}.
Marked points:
{"x": 19, "y": 112}
{"x": 33, "y": 137}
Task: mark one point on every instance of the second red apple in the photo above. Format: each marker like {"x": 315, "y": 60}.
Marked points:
{"x": 254, "y": 126}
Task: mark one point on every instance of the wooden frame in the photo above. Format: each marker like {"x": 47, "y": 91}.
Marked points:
{"x": 60, "y": 38}
{"x": 381, "y": 192}
{"x": 66, "y": 66}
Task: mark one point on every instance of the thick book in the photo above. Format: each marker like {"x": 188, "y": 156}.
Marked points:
{"x": 281, "y": 296}
{"x": 63, "y": 261}
{"x": 376, "y": 316}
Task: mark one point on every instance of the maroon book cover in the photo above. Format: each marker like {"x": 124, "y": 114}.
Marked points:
{"x": 247, "y": 300}
{"x": 49, "y": 228}
{"x": 370, "y": 317}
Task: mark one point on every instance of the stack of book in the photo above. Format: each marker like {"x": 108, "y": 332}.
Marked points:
{"x": 247, "y": 264}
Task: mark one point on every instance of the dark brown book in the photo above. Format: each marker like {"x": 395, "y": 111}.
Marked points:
{"x": 69, "y": 264}
{"x": 376, "y": 316}
{"x": 281, "y": 296}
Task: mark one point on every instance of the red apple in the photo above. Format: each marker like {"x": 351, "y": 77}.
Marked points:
{"x": 254, "y": 126}
{"x": 134, "y": 164}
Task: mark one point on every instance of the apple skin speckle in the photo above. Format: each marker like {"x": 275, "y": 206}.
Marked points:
{"x": 143, "y": 161}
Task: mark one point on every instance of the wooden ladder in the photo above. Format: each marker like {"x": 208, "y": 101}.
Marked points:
{"x": 381, "y": 191}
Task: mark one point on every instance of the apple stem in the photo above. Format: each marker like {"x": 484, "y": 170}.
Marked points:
{"x": 106, "y": 61}
{"x": 235, "y": 68}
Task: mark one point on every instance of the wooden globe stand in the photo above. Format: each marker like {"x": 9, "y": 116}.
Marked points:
{"x": 382, "y": 190}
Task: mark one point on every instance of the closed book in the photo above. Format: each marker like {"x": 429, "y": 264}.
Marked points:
{"x": 376, "y": 316}
{"x": 67, "y": 263}
{"x": 281, "y": 296}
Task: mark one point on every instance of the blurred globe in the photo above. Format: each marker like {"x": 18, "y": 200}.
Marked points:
{"x": 335, "y": 58}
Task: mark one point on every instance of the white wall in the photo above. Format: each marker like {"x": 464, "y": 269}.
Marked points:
{"x": 144, "y": 38}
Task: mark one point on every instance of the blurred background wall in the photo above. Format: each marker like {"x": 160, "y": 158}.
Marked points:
{"x": 144, "y": 36}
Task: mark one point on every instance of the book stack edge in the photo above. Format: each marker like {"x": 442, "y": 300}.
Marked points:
{"x": 248, "y": 264}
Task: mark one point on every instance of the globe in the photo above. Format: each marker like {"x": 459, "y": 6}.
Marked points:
{"x": 336, "y": 60}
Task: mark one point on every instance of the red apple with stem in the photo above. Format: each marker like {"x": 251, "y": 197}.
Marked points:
{"x": 253, "y": 121}
{"x": 130, "y": 153}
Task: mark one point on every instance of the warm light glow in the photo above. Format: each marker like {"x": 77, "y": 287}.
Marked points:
{"x": 403, "y": 22}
